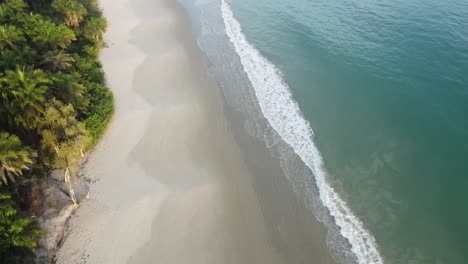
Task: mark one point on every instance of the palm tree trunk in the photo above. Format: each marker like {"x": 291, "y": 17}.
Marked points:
{"x": 70, "y": 187}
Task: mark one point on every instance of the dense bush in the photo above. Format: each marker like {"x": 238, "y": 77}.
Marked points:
{"x": 99, "y": 112}
{"x": 18, "y": 233}
{"x": 53, "y": 101}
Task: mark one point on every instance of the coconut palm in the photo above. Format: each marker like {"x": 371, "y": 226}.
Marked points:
{"x": 25, "y": 94}
{"x": 11, "y": 36}
{"x": 58, "y": 60}
{"x": 22, "y": 55}
{"x": 94, "y": 28}
{"x": 66, "y": 88}
{"x": 17, "y": 232}
{"x": 66, "y": 138}
{"x": 47, "y": 35}
{"x": 72, "y": 10}
{"x": 92, "y": 6}
{"x": 11, "y": 8}
{"x": 14, "y": 157}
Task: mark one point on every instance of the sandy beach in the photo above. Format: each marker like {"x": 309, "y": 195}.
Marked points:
{"x": 168, "y": 183}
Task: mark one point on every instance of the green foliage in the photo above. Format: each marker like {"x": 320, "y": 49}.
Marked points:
{"x": 9, "y": 9}
{"x": 23, "y": 93}
{"x": 47, "y": 35}
{"x": 66, "y": 88}
{"x": 94, "y": 28}
{"x": 14, "y": 157}
{"x": 90, "y": 68}
{"x": 91, "y": 51}
{"x": 100, "y": 111}
{"x": 18, "y": 234}
{"x": 63, "y": 137}
{"x": 53, "y": 102}
{"x": 24, "y": 55}
{"x": 10, "y": 37}
{"x": 15, "y": 6}
{"x": 92, "y": 7}
{"x": 58, "y": 60}
{"x": 72, "y": 11}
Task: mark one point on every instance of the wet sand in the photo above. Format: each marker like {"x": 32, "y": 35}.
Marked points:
{"x": 169, "y": 184}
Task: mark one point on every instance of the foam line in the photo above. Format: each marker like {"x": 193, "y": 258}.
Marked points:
{"x": 284, "y": 115}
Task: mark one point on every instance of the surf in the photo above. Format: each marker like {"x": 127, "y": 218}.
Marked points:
{"x": 283, "y": 114}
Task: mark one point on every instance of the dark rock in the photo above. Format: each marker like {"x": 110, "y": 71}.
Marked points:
{"x": 56, "y": 210}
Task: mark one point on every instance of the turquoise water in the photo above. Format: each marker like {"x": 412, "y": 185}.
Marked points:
{"x": 384, "y": 85}
{"x": 371, "y": 99}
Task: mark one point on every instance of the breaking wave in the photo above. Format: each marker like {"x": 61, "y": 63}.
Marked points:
{"x": 284, "y": 115}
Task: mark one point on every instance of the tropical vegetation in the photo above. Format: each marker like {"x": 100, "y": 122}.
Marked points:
{"x": 53, "y": 104}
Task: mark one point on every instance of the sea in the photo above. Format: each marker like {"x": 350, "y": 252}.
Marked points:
{"x": 364, "y": 106}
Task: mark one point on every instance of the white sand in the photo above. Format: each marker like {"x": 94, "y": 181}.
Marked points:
{"x": 170, "y": 185}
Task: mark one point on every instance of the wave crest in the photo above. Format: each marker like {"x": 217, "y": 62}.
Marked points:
{"x": 284, "y": 115}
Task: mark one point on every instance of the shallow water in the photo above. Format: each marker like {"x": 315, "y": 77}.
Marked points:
{"x": 384, "y": 86}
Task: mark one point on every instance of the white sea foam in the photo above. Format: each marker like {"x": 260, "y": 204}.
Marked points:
{"x": 284, "y": 115}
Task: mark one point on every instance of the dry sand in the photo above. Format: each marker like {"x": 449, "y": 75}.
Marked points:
{"x": 169, "y": 184}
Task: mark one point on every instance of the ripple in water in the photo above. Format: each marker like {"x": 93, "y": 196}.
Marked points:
{"x": 284, "y": 115}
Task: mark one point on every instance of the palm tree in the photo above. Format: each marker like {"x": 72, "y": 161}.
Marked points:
{"x": 58, "y": 60}
{"x": 21, "y": 55}
{"x": 47, "y": 35}
{"x": 94, "y": 28}
{"x": 25, "y": 95}
{"x": 14, "y": 157}
{"x": 66, "y": 88}
{"x": 17, "y": 232}
{"x": 11, "y": 36}
{"x": 72, "y": 10}
{"x": 64, "y": 136}
{"x": 11, "y": 8}
{"x": 92, "y": 6}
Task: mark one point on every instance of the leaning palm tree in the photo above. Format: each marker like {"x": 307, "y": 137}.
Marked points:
{"x": 65, "y": 138}
{"x": 58, "y": 60}
{"x": 14, "y": 157}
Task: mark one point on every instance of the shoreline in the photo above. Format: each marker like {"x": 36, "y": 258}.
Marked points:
{"x": 168, "y": 173}
{"x": 293, "y": 215}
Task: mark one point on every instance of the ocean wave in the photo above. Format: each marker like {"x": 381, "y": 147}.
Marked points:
{"x": 284, "y": 115}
